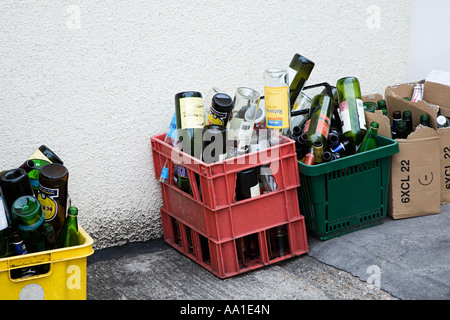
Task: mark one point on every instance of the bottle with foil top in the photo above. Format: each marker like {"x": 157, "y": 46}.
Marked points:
{"x": 442, "y": 122}
{"x": 300, "y": 69}
{"x": 351, "y": 110}
{"x": 53, "y": 194}
{"x": 417, "y": 93}
{"x": 277, "y": 103}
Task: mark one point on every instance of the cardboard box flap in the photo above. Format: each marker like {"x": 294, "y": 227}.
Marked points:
{"x": 437, "y": 90}
{"x": 421, "y": 134}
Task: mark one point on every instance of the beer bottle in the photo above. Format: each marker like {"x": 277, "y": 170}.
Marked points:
{"x": 49, "y": 235}
{"x": 425, "y": 120}
{"x": 69, "y": 235}
{"x": 318, "y": 127}
{"x": 396, "y": 117}
{"x": 300, "y": 69}
{"x": 407, "y": 117}
{"x": 190, "y": 122}
{"x": 14, "y": 184}
{"x": 19, "y": 248}
{"x": 401, "y": 130}
{"x": 370, "y": 140}
{"x": 220, "y": 112}
{"x": 381, "y": 104}
{"x": 53, "y": 185}
{"x": 247, "y": 184}
{"x": 351, "y": 110}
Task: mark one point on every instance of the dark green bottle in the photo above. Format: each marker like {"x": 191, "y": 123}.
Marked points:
{"x": 69, "y": 235}
{"x": 318, "y": 126}
{"x": 351, "y": 110}
{"x": 299, "y": 72}
{"x": 425, "y": 120}
{"x": 407, "y": 117}
{"x": 370, "y": 140}
{"x": 381, "y": 105}
{"x": 5, "y": 249}
{"x": 190, "y": 122}
{"x": 401, "y": 130}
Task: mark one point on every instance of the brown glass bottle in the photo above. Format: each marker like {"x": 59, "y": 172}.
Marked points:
{"x": 53, "y": 181}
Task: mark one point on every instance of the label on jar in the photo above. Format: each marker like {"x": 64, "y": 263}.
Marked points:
{"x": 277, "y": 107}
{"x": 191, "y": 113}
{"x": 48, "y": 203}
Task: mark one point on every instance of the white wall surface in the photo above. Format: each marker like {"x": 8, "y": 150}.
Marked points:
{"x": 94, "y": 80}
{"x": 429, "y": 46}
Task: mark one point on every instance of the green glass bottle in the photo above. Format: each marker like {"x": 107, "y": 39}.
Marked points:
{"x": 300, "y": 69}
{"x": 318, "y": 126}
{"x": 69, "y": 235}
{"x": 407, "y": 117}
{"x": 351, "y": 110}
{"x": 381, "y": 105}
{"x": 401, "y": 130}
{"x": 425, "y": 120}
{"x": 190, "y": 122}
{"x": 370, "y": 140}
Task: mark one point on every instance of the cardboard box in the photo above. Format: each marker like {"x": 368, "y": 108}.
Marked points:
{"x": 436, "y": 98}
{"x": 384, "y": 122}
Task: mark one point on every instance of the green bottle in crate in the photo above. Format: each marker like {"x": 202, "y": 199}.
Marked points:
{"x": 69, "y": 235}
{"x": 351, "y": 110}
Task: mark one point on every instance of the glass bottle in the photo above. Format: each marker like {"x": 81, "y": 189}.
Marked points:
{"x": 172, "y": 139}
{"x": 370, "y": 107}
{"x": 44, "y": 153}
{"x": 442, "y": 122}
{"x": 221, "y": 110}
{"x": 318, "y": 126}
{"x": 396, "y": 117}
{"x": 381, "y": 104}
{"x": 214, "y": 144}
{"x": 53, "y": 186}
{"x": 247, "y": 184}
{"x": 401, "y": 130}
{"x": 425, "y": 120}
{"x": 14, "y": 184}
{"x": 318, "y": 152}
{"x": 300, "y": 69}
{"x": 278, "y": 112}
{"x": 69, "y": 235}
{"x": 370, "y": 140}
{"x": 190, "y": 122}
{"x": 407, "y": 117}
{"x": 351, "y": 110}
{"x": 5, "y": 249}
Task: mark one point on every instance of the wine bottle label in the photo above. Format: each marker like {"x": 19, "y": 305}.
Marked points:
{"x": 3, "y": 220}
{"x": 217, "y": 117}
{"x": 344, "y": 114}
{"x": 48, "y": 203}
{"x": 277, "y": 107}
{"x": 191, "y": 113}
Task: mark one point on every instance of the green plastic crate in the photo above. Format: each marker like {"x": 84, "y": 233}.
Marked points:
{"x": 346, "y": 195}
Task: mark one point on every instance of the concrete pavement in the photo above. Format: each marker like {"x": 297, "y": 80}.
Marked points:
{"x": 404, "y": 259}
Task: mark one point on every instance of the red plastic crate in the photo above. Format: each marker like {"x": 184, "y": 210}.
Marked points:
{"x": 214, "y": 211}
{"x": 226, "y": 259}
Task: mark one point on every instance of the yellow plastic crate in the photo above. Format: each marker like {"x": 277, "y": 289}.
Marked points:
{"x": 66, "y": 279}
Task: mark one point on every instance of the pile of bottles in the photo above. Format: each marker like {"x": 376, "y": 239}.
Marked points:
{"x": 35, "y": 210}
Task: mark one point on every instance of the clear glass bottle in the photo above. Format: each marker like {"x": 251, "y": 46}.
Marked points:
{"x": 277, "y": 103}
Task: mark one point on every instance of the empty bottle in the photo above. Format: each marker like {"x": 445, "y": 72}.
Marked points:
{"x": 300, "y": 69}
{"x": 370, "y": 140}
{"x": 351, "y": 110}
{"x": 407, "y": 117}
{"x": 425, "y": 120}
{"x": 401, "y": 130}
{"x": 396, "y": 117}
{"x": 442, "y": 122}
{"x": 69, "y": 235}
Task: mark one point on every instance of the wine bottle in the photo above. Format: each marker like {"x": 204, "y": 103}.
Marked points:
{"x": 318, "y": 126}
{"x": 351, "y": 110}
{"x": 300, "y": 69}
{"x": 370, "y": 140}
{"x": 190, "y": 122}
